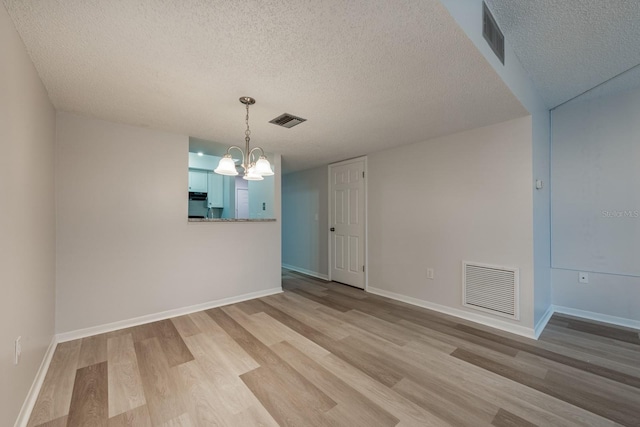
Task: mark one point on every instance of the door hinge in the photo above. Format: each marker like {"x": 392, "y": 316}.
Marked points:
{"x": 363, "y": 268}
{"x": 363, "y": 174}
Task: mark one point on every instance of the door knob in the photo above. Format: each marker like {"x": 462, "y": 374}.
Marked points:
{"x": 333, "y": 229}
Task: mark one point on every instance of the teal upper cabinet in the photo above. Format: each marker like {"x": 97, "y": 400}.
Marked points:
{"x": 214, "y": 195}
{"x": 204, "y": 162}
{"x": 197, "y": 181}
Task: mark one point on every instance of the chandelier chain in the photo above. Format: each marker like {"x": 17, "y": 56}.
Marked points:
{"x": 247, "y": 132}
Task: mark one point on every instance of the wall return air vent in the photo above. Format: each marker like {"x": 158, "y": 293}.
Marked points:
{"x": 287, "y": 120}
{"x": 491, "y": 289}
{"x": 492, "y": 33}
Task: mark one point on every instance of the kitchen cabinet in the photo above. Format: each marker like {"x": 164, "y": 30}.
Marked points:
{"x": 214, "y": 195}
{"x": 198, "y": 181}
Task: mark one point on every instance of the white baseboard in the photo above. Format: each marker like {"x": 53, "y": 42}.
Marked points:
{"x": 598, "y": 317}
{"x": 305, "y": 271}
{"x": 542, "y": 323}
{"x": 100, "y": 329}
{"x": 477, "y": 318}
{"x": 34, "y": 391}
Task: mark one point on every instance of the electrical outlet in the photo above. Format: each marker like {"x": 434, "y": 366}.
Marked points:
{"x": 430, "y": 273}
{"x": 18, "y": 351}
{"x": 583, "y": 277}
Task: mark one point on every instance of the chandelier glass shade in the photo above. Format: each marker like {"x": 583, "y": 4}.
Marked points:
{"x": 255, "y": 166}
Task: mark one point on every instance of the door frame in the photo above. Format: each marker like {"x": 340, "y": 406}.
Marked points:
{"x": 366, "y": 217}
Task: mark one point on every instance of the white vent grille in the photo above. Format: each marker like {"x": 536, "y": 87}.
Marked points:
{"x": 490, "y": 288}
{"x": 287, "y": 120}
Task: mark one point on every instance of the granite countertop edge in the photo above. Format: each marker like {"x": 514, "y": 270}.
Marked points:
{"x": 231, "y": 219}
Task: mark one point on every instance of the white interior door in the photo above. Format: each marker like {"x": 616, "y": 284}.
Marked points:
{"x": 242, "y": 203}
{"x": 347, "y": 222}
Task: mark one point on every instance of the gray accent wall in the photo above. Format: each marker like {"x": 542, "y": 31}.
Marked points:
{"x": 305, "y": 220}
{"x": 27, "y": 220}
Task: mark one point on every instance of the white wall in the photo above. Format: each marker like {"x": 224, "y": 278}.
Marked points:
{"x": 305, "y": 220}
{"x": 468, "y": 14}
{"x": 125, "y": 248}
{"x": 27, "y": 223}
{"x": 596, "y": 202}
{"x": 466, "y": 196}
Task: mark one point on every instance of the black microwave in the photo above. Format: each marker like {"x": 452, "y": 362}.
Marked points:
{"x": 195, "y": 195}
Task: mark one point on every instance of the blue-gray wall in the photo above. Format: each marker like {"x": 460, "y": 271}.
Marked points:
{"x": 596, "y": 201}
{"x": 305, "y": 221}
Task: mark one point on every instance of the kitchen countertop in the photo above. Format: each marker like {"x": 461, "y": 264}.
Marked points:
{"x": 232, "y": 219}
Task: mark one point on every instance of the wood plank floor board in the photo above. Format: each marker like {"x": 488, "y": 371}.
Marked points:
{"x": 564, "y": 374}
{"x": 266, "y": 332}
{"x": 223, "y": 346}
{"x": 255, "y": 415}
{"x": 567, "y": 360}
{"x": 364, "y": 361}
{"x": 93, "y": 350}
{"x": 507, "y": 419}
{"x": 137, "y": 417}
{"x": 462, "y": 334}
{"x": 298, "y": 308}
{"x": 345, "y": 290}
{"x": 310, "y": 285}
{"x": 171, "y": 342}
{"x": 502, "y": 392}
{"x": 587, "y": 345}
{"x": 89, "y": 402}
{"x": 185, "y": 326}
{"x": 357, "y": 405}
{"x": 55, "y": 394}
{"x": 202, "y": 400}
{"x": 389, "y": 331}
{"x": 388, "y": 399}
{"x": 610, "y": 332}
{"x": 161, "y": 391}
{"x": 220, "y": 375}
{"x": 433, "y": 401}
{"x": 321, "y": 300}
{"x": 182, "y": 420}
{"x": 125, "y": 385}
{"x": 366, "y": 306}
{"x": 599, "y": 389}
{"x": 565, "y": 348}
{"x": 269, "y": 331}
{"x": 288, "y": 409}
{"x": 299, "y": 386}
{"x": 58, "y": 422}
{"x": 324, "y": 354}
{"x": 606, "y": 341}
{"x": 607, "y": 408}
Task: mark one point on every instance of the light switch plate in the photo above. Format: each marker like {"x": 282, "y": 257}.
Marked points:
{"x": 430, "y": 273}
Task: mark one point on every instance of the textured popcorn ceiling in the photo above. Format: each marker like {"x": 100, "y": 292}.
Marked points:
{"x": 367, "y": 75}
{"x": 570, "y": 46}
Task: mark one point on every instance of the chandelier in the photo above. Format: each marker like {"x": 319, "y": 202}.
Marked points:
{"x": 254, "y": 169}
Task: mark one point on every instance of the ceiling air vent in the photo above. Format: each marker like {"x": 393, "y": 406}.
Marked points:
{"x": 492, "y": 33}
{"x": 287, "y": 120}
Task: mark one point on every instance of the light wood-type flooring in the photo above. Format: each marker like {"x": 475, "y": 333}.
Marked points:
{"x": 326, "y": 354}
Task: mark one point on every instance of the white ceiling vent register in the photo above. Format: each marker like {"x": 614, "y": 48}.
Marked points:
{"x": 492, "y": 289}
{"x": 287, "y": 120}
{"x": 491, "y": 33}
